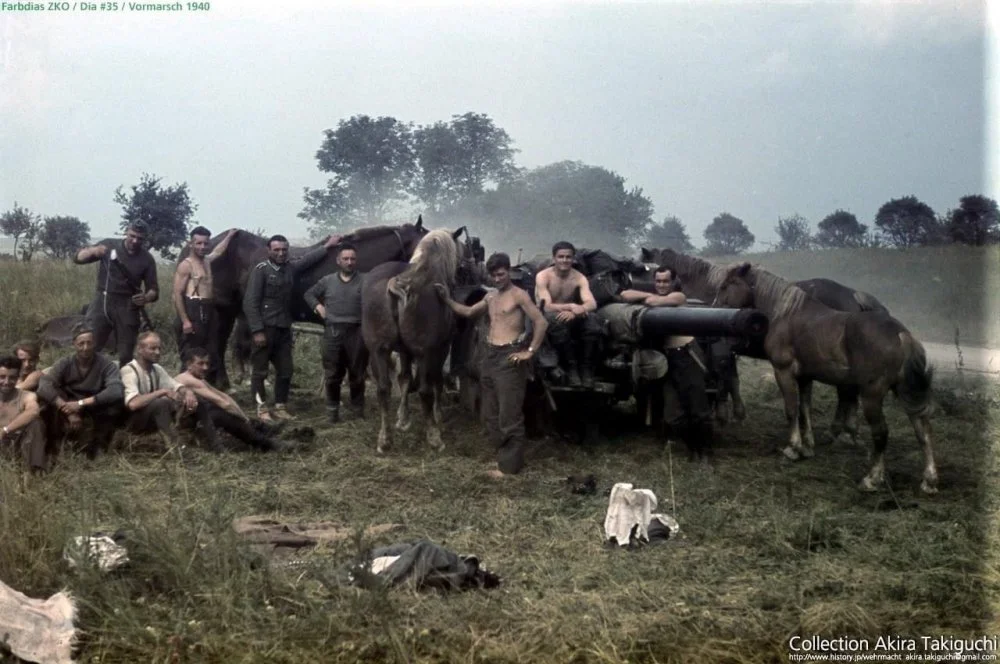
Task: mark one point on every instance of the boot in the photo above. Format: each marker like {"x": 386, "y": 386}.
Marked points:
{"x": 571, "y": 364}
{"x": 333, "y": 414}
{"x": 264, "y": 415}
{"x": 587, "y": 364}
{"x": 281, "y": 413}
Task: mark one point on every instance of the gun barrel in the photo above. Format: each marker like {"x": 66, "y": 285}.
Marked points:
{"x": 703, "y": 321}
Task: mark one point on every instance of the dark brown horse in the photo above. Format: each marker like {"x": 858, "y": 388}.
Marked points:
{"x": 702, "y": 279}
{"x": 401, "y": 312}
{"x": 866, "y": 354}
{"x": 376, "y": 245}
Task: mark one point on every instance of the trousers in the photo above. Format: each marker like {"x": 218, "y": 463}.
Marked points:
{"x": 503, "y": 387}
{"x": 277, "y": 350}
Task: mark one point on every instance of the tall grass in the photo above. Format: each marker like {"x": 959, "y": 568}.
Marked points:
{"x": 768, "y": 549}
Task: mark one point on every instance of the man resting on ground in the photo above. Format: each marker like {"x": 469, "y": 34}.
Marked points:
{"x": 20, "y": 418}
{"x": 27, "y": 352}
{"x": 85, "y": 385}
{"x": 152, "y": 397}
{"x": 223, "y": 411}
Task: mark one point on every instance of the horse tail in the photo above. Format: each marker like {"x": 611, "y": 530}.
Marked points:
{"x": 914, "y": 388}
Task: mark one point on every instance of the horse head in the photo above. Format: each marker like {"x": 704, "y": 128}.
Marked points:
{"x": 735, "y": 292}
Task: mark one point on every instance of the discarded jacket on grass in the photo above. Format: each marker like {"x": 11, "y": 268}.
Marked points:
{"x": 421, "y": 565}
{"x": 104, "y": 549}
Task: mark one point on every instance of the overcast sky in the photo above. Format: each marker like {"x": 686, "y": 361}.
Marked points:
{"x": 760, "y": 109}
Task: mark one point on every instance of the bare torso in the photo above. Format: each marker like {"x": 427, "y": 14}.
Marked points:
{"x": 506, "y": 316}
{"x": 560, "y": 287}
{"x": 200, "y": 282}
{"x": 11, "y": 408}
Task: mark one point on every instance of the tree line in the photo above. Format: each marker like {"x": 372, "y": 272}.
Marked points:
{"x": 463, "y": 171}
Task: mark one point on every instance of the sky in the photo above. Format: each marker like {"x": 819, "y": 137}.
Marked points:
{"x": 759, "y": 109}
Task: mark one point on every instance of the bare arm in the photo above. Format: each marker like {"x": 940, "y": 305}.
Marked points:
{"x": 634, "y": 296}
{"x": 181, "y": 277}
{"x": 206, "y": 393}
{"x": 30, "y": 382}
{"x": 672, "y": 300}
{"x": 25, "y": 417}
{"x": 220, "y": 248}
{"x": 462, "y": 310}
{"x": 589, "y": 303}
{"x": 542, "y": 294}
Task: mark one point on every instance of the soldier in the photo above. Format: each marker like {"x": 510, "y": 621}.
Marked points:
{"x": 336, "y": 298}
{"x": 27, "y": 352}
{"x": 506, "y": 364}
{"x": 686, "y": 409}
{"x": 86, "y": 384}
{"x": 20, "y": 417}
{"x": 152, "y": 398}
{"x": 267, "y": 306}
{"x": 569, "y": 323}
{"x": 197, "y": 324}
{"x": 126, "y": 268}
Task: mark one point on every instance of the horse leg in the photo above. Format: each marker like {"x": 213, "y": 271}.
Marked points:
{"x": 404, "y": 379}
{"x": 844, "y": 428}
{"x": 739, "y": 409}
{"x": 380, "y": 365}
{"x": 790, "y": 392}
{"x": 922, "y": 427}
{"x": 805, "y": 417}
{"x": 871, "y": 404}
{"x": 225, "y": 328}
{"x": 431, "y": 380}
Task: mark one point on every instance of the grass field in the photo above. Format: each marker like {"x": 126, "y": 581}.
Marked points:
{"x": 768, "y": 549}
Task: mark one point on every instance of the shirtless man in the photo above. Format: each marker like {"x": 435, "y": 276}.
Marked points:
{"x": 687, "y": 412}
{"x": 197, "y": 323}
{"x": 555, "y": 290}
{"x": 20, "y": 417}
{"x": 505, "y": 366}
{"x": 223, "y": 411}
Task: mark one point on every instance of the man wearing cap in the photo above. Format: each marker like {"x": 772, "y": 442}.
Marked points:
{"x": 20, "y": 417}
{"x": 267, "y": 306}
{"x": 85, "y": 385}
{"x": 126, "y": 282}
{"x": 506, "y": 364}
{"x": 686, "y": 410}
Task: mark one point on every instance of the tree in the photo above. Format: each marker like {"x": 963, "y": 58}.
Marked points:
{"x": 587, "y": 205}
{"x": 166, "y": 210}
{"x": 793, "y": 233}
{"x": 841, "y": 229}
{"x": 61, "y": 237}
{"x": 908, "y": 222}
{"x": 459, "y": 159}
{"x": 372, "y": 162}
{"x": 975, "y": 222}
{"x": 17, "y": 223}
{"x": 727, "y": 235}
{"x": 32, "y": 240}
{"x": 670, "y": 234}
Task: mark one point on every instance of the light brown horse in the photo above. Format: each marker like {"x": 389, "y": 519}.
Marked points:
{"x": 402, "y": 312}
{"x": 867, "y": 354}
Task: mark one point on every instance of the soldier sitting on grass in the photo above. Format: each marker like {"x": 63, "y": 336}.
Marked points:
{"x": 84, "y": 386}
{"x": 154, "y": 399}
{"x": 223, "y": 411}
{"x": 27, "y": 352}
{"x": 20, "y": 417}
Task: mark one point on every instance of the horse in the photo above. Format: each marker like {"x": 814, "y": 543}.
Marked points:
{"x": 864, "y": 353}
{"x": 375, "y": 245}
{"x": 702, "y": 279}
{"x": 401, "y": 311}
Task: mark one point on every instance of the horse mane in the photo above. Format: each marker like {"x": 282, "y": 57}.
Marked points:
{"x": 692, "y": 268}
{"x": 774, "y": 295}
{"x": 435, "y": 260}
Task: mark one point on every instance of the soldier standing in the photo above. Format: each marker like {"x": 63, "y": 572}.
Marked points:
{"x": 126, "y": 268}
{"x": 267, "y": 306}
{"x": 336, "y": 298}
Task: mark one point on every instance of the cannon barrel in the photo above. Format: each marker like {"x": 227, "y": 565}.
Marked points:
{"x": 702, "y": 321}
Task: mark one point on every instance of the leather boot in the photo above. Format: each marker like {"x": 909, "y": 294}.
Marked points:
{"x": 333, "y": 414}
{"x": 588, "y": 360}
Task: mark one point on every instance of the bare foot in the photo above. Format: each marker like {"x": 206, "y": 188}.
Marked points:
{"x": 495, "y": 474}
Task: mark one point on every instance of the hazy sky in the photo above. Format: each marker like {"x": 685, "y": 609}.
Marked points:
{"x": 761, "y": 109}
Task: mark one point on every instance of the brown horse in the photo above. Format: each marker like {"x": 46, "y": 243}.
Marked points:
{"x": 402, "y": 312}
{"x": 702, "y": 279}
{"x": 376, "y": 245}
{"x": 867, "y": 354}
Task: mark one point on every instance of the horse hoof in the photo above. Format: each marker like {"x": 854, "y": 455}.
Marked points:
{"x": 791, "y": 453}
{"x": 808, "y": 452}
{"x": 402, "y": 425}
{"x": 434, "y": 442}
{"x": 928, "y": 488}
{"x": 847, "y": 440}
{"x": 868, "y": 485}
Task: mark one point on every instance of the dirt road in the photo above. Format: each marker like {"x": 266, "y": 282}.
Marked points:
{"x": 974, "y": 359}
